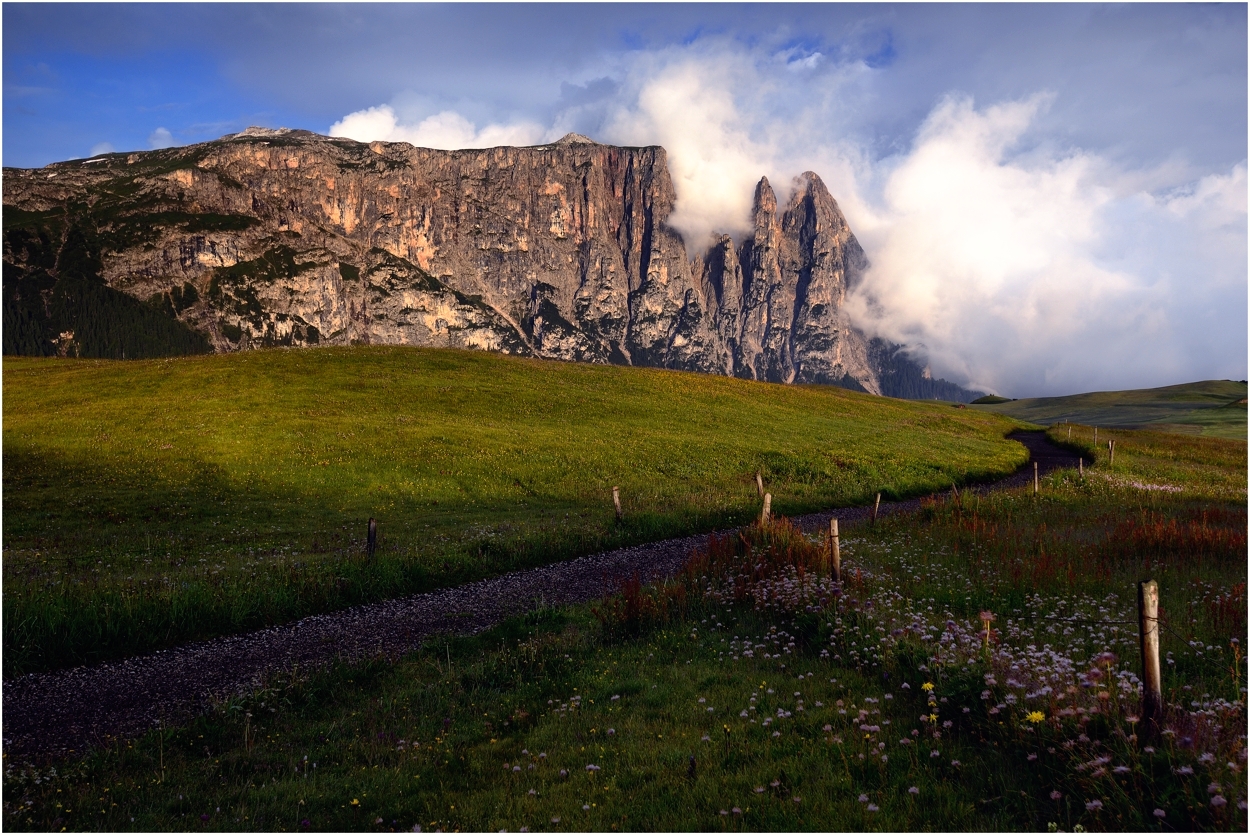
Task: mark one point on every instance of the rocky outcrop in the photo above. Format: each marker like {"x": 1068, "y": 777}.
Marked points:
{"x": 563, "y": 250}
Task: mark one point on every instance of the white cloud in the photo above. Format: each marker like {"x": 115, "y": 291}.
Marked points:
{"x": 447, "y": 130}
{"x": 161, "y": 138}
{"x": 1011, "y": 262}
{"x": 687, "y": 105}
{"x": 1037, "y": 274}
{"x": 101, "y": 148}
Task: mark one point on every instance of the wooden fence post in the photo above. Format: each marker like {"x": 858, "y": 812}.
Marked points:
{"x": 1069, "y": 431}
{"x": 767, "y": 515}
{"x": 1152, "y": 681}
{"x": 1080, "y": 466}
{"x": 616, "y": 500}
{"x": 1111, "y": 453}
{"x": 1095, "y": 437}
{"x": 876, "y": 506}
{"x": 371, "y": 544}
{"x": 835, "y": 552}
{"x": 759, "y": 483}
{"x": 1035, "y": 484}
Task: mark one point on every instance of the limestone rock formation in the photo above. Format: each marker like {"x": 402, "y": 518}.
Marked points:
{"x": 282, "y": 237}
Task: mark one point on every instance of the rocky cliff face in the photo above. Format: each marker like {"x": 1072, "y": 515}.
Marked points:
{"x": 562, "y": 251}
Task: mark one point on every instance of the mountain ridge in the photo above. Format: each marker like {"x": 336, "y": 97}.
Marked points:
{"x": 286, "y": 237}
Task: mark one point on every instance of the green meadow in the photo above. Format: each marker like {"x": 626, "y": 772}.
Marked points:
{"x": 147, "y": 503}
{"x": 1213, "y": 408}
{"x": 975, "y": 670}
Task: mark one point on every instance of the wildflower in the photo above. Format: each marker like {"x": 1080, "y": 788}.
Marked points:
{"x": 1036, "y": 716}
{"x": 736, "y": 810}
{"x": 555, "y": 820}
{"x": 1121, "y": 769}
{"x": 956, "y": 763}
{"x": 1159, "y": 813}
{"x": 355, "y": 802}
{"x": 707, "y": 738}
{"x": 934, "y": 753}
{"x": 1149, "y": 749}
{"x": 827, "y": 728}
{"x": 532, "y": 793}
{"x": 585, "y": 807}
{"x": 564, "y": 772}
{"x": 611, "y": 731}
{"x": 1185, "y": 771}
{"x": 1214, "y": 788}
{"x": 927, "y": 686}
{"x": 863, "y": 798}
{"x": 872, "y": 807}
{"x": 1056, "y": 794}
{"x": 724, "y": 812}
{"x": 1093, "y": 805}
{"x": 1032, "y": 757}
{"x": 1218, "y": 801}
{"x": 913, "y": 790}
{"x": 759, "y": 789}
{"x": 592, "y": 768}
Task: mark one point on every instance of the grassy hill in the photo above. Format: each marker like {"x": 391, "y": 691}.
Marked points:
{"x": 151, "y": 502}
{"x": 1215, "y": 408}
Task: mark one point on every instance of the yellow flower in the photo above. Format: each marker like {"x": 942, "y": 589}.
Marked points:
{"x": 1036, "y": 716}
{"x": 928, "y": 685}
{"x": 932, "y": 717}
{"x": 355, "y": 802}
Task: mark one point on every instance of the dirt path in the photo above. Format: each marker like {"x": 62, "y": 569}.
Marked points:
{"x": 66, "y": 711}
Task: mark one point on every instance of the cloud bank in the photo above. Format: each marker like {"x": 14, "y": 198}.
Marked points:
{"x": 1006, "y": 256}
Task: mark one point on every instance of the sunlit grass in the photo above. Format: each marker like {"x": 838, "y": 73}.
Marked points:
{"x": 879, "y": 705}
{"x": 147, "y": 503}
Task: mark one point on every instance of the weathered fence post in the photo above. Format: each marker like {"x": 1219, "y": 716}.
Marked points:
{"x": 835, "y": 552}
{"x": 1111, "y": 453}
{"x": 1080, "y": 466}
{"x": 1035, "y": 484}
{"x": 371, "y": 544}
{"x": 759, "y": 483}
{"x": 1095, "y": 437}
{"x": 767, "y": 515}
{"x": 876, "y": 506}
{"x": 1069, "y": 431}
{"x": 616, "y": 500}
{"x": 1152, "y": 682}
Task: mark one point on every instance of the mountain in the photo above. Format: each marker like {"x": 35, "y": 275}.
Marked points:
{"x": 281, "y": 237}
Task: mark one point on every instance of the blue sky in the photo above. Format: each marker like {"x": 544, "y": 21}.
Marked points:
{"x": 1053, "y": 196}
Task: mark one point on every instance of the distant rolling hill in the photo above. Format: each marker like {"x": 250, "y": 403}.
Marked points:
{"x": 1212, "y": 407}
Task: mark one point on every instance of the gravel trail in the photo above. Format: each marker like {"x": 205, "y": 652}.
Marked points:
{"x": 64, "y": 712}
